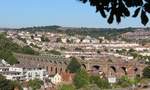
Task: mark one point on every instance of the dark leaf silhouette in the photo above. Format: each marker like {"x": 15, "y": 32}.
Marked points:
{"x": 147, "y": 1}
{"x": 110, "y": 19}
{"x": 84, "y": 1}
{"x": 138, "y": 2}
{"x": 129, "y": 3}
{"x": 147, "y": 7}
{"x": 136, "y": 12}
{"x": 120, "y": 8}
{"x": 144, "y": 18}
{"x": 103, "y": 13}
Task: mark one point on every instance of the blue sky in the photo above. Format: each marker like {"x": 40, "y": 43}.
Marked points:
{"x": 24, "y": 13}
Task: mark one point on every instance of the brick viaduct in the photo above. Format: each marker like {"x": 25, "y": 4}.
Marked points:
{"x": 109, "y": 65}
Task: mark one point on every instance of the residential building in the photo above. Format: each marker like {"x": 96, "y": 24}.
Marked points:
{"x": 32, "y": 73}
{"x": 56, "y": 79}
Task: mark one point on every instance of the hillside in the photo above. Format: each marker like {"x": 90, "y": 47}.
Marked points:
{"x": 93, "y": 32}
{"x": 7, "y": 47}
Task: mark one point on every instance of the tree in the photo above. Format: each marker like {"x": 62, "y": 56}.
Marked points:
{"x": 58, "y": 40}
{"x": 16, "y": 84}
{"x": 78, "y": 49}
{"x": 131, "y": 50}
{"x": 81, "y": 79}
{"x": 35, "y": 84}
{"x": 101, "y": 83}
{"x": 146, "y": 72}
{"x": 7, "y": 47}
{"x": 90, "y": 87}
{"x": 120, "y": 8}
{"x": 8, "y": 84}
{"x": 125, "y": 81}
{"x": 8, "y": 56}
{"x": 67, "y": 87}
{"x": 54, "y": 52}
{"x": 44, "y": 39}
{"x": 74, "y": 65}
{"x": 28, "y": 50}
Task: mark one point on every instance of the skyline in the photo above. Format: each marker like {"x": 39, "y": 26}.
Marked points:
{"x": 67, "y": 13}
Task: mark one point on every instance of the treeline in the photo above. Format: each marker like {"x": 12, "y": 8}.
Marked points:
{"x": 110, "y": 33}
{"x": 9, "y": 85}
{"x": 7, "y": 48}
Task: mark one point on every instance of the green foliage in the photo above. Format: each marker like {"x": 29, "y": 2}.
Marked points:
{"x": 101, "y": 83}
{"x": 67, "y": 87}
{"x": 127, "y": 82}
{"x": 8, "y": 56}
{"x": 90, "y": 87}
{"x": 17, "y": 84}
{"x": 146, "y": 72}
{"x": 81, "y": 79}
{"x": 131, "y": 50}
{"x": 78, "y": 49}
{"x": 62, "y": 48}
{"x": 8, "y": 84}
{"x": 58, "y": 40}
{"x": 54, "y": 52}
{"x": 22, "y": 39}
{"x": 124, "y": 82}
{"x": 123, "y": 51}
{"x": 74, "y": 65}
{"x": 44, "y": 39}
{"x": 35, "y": 46}
{"x": 108, "y": 9}
{"x": 7, "y": 47}
{"x": 145, "y": 81}
{"x": 35, "y": 84}
{"x": 28, "y": 50}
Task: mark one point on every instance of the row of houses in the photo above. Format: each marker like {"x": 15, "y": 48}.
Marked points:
{"x": 137, "y": 35}
{"x": 13, "y": 72}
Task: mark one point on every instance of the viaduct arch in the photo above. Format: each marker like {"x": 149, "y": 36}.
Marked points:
{"x": 57, "y": 64}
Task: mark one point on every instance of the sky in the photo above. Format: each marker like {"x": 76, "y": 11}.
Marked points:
{"x": 68, "y": 13}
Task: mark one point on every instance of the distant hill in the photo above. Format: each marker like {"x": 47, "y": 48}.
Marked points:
{"x": 93, "y": 32}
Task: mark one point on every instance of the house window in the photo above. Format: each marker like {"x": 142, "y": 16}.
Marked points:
{"x": 56, "y": 70}
{"x": 51, "y": 69}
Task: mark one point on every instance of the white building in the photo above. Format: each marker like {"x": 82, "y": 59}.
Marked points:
{"x": 145, "y": 53}
{"x": 64, "y": 40}
{"x": 33, "y": 73}
{"x": 20, "y": 73}
{"x": 85, "y": 41}
{"x": 12, "y": 73}
{"x": 56, "y": 79}
{"x": 94, "y": 41}
{"x": 37, "y": 39}
{"x": 77, "y": 40}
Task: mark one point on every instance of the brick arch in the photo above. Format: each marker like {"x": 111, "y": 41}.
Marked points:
{"x": 96, "y": 67}
{"x": 136, "y": 69}
{"x": 65, "y": 63}
{"x": 55, "y": 62}
{"x": 56, "y": 70}
{"x": 113, "y": 68}
{"x": 61, "y": 69}
{"x": 84, "y": 66}
{"x": 50, "y": 61}
{"x": 123, "y": 70}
